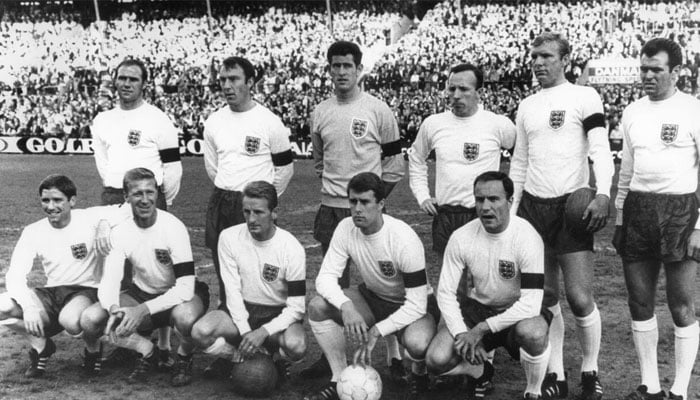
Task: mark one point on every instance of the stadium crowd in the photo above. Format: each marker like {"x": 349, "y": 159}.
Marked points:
{"x": 57, "y": 87}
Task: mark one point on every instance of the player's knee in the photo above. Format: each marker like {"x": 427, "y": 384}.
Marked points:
{"x": 92, "y": 319}
{"x": 7, "y": 306}
{"x": 531, "y": 334}
{"x": 580, "y": 301}
{"x": 318, "y": 309}
{"x": 295, "y": 346}
{"x": 683, "y": 314}
{"x": 551, "y": 297}
{"x": 438, "y": 358}
{"x": 416, "y": 345}
{"x": 71, "y": 323}
{"x": 640, "y": 309}
{"x": 203, "y": 334}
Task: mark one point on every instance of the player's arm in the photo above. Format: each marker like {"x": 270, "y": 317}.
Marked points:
{"x": 317, "y": 145}
{"x": 232, "y": 284}
{"x": 21, "y": 264}
{"x": 393, "y": 164}
{"x": 169, "y": 152}
{"x": 99, "y": 148}
{"x": 531, "y": 259}
{"x": 296, "y": 291}
{"x": 519, "y": 159}
{"x": 211, "y": 158}
{"x": 453, "y": 265}
{"x": 282, "y": 157}
{"x": 418, "y": 170}
{"x": 603, "y": 166}
{"x": 332, "y": 267}
{"x": 626, "y": 168}
{"x": 507, "y": 132}
{"x": 112, "y": 274}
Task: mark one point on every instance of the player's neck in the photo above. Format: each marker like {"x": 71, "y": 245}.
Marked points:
{"x": 560, "y": 81}
{"x": 664, "y": 96}
{"x": 130, "y": 105}
{"x": 347, "y": 96}
{"x": 243, "y": 107}
{"x": 146, "y": 222}
{"x": 373, "y": 228}
{"x": 264, "y": 236}
{"x": 61, "y": 223}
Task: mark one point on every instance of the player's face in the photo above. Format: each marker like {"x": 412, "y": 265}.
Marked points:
{"x": 492, "y": 205}
{"x": 344, "y": 73}
{"x": 658, "y": 80}
{"x": 142, "y": 196}
{"x": 57, "y": 207}
{"x": 235, "y": 87}
{"x": 259, "y": 218}
{"x": 366, "y": 211}
{"x": 129, "y": 84}
{"x": 462, "y": 93}
{"x": 547, "y": 65}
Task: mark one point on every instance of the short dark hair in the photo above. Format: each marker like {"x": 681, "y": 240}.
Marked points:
{"x": 60, "y": 182}
{"x": 366, "y": 181}
{"x": 262, "y": 190}
{"x": 242, "y": 63}
{"x": 133, "y": 62}
{"x": 562, "y": 43}
{"x": 137, "y": 174}
{"x": 470, "y": 67}
{"x": 343, "y": 48}
{"x": 673, "y": 49}
{"x": 497, "y": 176}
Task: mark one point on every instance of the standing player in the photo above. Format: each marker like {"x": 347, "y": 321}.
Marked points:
{"x": 467, "y": 141}
{"x": 164, "y": 291}
{"x": 67, "y": 246}
{"x": 264, "y": 272}
{"x": 394, "y": 295}
{"x": 351, "y": 132}
{"x": 657, "y": 214}
{"x": 243, "y": 142}
{"x": 558, "y": 128}
{"x": 506, "y": 259}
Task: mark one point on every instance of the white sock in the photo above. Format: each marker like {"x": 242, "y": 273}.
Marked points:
{"x": 164, "y": 338}
{"x": 466, "y": 368}
{"x": 686, "y": 349}
{"x": 135, "y": 342}
{"x": 392, "y": 349}
{"x": 220, "y": 347}
{"x": 646, "y": 336}
{"x": 331, "y": 340}
{"x": 556, "y": 343}
{"x": 535, "y": 369}
{"x": 589, "y": 333}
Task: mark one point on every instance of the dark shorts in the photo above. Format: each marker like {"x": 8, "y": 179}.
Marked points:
{"x": 327, "y": 219}
{"x": 258, "y": 314}
{"x": 449, "y": 219}
{"x": 112, "y": 195}
{"x": 161, "y": 319}
{"x": 382, "y": 309}
{"x": 55, "y": 298}
{"x": 548, "y": 218}
{"x": 225, "y": 209}
{"x": 474, "y": 312}
{"x": 657, "y": 226}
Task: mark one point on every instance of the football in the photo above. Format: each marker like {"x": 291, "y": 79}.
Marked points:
{"x": 255, "y": 377}
{"x": 359, "y": 382}
{"x": 575, "y": 206}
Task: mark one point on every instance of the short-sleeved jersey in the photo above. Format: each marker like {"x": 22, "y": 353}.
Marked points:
{"x": 464, "y": 148}
{"x": 161, "y": 257}
{"x": 558, "y": 128}
{"x": 507, "y": 270}
{"x": 272, "y": 272}
{"x": 660, "y": 147}
{"x": 239, "y": 147}
{"x": 391, "y": 263}
{"x": 352, "y": 137}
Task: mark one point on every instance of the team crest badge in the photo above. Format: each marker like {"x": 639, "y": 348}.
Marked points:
{"x": 79, "y": 251}
{"x": 270, "y": 272}
{"x": 387, "y": 268}
{"x": 506, "y": 269}
{"x": 359, "y": 127}
{"x": 252, "y": 144}
{"x": 471, "y": 151}
{"x": 134, "y": 137}
{"x": 669, "y": 133}
{"x": 556, "y": 118}
{"x": 163, "y": 256}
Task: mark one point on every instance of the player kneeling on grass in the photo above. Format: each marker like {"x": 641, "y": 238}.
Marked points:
{"x": 263, "y": 268}
{"x": 394, "y": 296}
{"x": 69, "y": 243}
{"x": 505, "y": 257}
{"x": 164, "y": 291}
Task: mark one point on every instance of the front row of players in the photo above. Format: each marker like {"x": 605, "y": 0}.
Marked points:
{"x": 264, "y": 273}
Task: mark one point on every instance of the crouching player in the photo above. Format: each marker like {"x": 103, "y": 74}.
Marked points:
{"x": 164, "y": 291}
{"x": 505, "y": 256}
{"x": 394, "y": 295}
{"x": 263, "y": 269}
{"x": 67, "y": 242}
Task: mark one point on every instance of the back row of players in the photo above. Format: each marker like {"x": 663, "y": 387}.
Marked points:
{"x": 512, "y": 294}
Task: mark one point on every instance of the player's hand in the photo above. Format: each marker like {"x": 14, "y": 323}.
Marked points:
{"x": 429, "y": 206}
{"x": 115, "y": 318}
{"x": 617, "y": 238}
{"x": 468, "y": 344}
{"x": 103, "y": 245}
{"x": 33, "y": 323}
{"x": 694, "y": 245}
{"x": 133, "y": 317}
{"x": 355, "y": 326}
{"x": 598, "y": 211}
{"x": 252, "y": 341}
